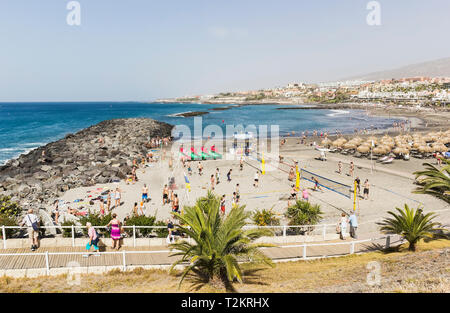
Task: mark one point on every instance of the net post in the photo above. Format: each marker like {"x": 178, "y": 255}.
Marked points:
{"x": 304, "y": 252}
{"x": 124, "y": 259}
{"x": 352, "y": 248}
{"x": 284, "y": 231}
{"x": 134, "y": 235}
{"x": 324, "y": 232}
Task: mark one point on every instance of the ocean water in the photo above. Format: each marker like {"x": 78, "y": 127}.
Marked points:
{"x": 25, "y": 126}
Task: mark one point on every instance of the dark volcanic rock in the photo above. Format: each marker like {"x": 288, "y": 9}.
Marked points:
{"x": 98, "y": 154}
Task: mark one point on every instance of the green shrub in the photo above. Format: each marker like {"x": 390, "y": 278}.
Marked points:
{"x": 9, "y": 208}
{"x": 67, "y": 232}
{"x": 161, "y": 232}
{"x": 265, "y": 217}
{"x": 8, "y": 221}
{"x": 96, "y": 219}
{"x": 140, "y": 220}
{"x": 303, "y": 213}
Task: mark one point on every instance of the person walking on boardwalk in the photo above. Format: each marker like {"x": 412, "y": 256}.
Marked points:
{"x": 342, "y": 226}
{"x": 238, "y": 195}
{"x": 93, "y": 240}
{"x": 32, "y": 222}
{"x": 115, "y": 231}
{"x": 241, "y": 164}
{"x": 340, "y": 167}
{"x": 353, "y": 225}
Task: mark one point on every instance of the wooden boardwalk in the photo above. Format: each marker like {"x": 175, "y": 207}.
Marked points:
{"x": 161, "y": 255}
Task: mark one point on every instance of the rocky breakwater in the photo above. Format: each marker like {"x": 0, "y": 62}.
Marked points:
{"x": 99, "y": 154}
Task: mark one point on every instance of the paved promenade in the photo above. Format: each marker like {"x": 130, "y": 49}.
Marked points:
{"x": 60, "y": 257}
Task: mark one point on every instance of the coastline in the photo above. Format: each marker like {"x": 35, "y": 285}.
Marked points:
{"x": 101, "y": 153}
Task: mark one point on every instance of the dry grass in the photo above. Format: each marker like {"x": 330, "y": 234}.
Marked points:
{"x": 427, "y": 270}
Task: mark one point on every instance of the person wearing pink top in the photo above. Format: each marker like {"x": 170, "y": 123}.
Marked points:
{"x": 305, "y": 195}
{"x": 93, "y": 240}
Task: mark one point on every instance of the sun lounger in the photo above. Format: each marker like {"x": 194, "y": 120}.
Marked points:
{"x": 388, "y": 161}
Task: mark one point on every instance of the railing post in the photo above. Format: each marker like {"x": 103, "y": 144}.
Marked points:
{"x": 284, "y": 231}
{"x": 124, "y": 260}
{"x": 304, "y": 252}
{"x": 352, "y": 248}
{"x": 388, "y": 242}
{"x": 324, "y": 232}
{"x": 73, "y": 236}
{"x": 4, "y": 236}
{"x": 134, "y": 235}
{"x": 47, "y": 263}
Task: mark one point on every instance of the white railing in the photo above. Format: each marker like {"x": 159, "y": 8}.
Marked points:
{"x": 46, "y": 255}
{"x": 352, "y": 244}
{"x": 320, "y": 229}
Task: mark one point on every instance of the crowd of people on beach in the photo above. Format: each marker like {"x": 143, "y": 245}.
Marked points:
{"x": 112, "y": 199}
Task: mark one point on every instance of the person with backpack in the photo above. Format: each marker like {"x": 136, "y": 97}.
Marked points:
{"x": 32, "y": 222}
{"x": 93, "y": 240}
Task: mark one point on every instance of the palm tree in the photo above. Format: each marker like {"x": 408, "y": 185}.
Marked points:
{"x": 411, "y": 224}
{"x": 219, "y": 242}
{"x": 436, "y": 182}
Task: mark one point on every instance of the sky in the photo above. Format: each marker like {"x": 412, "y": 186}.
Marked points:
{"x": 141, "y": 50}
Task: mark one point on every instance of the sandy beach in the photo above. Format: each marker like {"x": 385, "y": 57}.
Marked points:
{"x": 391, "y": 186}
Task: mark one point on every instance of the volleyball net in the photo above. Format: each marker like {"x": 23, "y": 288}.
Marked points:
{"x": 332, "y": 185}
{"x": 286, "y": 165}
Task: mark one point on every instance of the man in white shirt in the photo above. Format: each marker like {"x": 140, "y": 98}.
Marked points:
{"x": 32, "y": 222}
